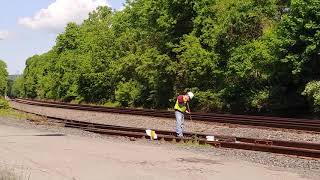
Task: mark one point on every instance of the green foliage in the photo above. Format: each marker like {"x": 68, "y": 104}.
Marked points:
{"x": 4, "y": 104}
{"x": 11, "y": 79}
{"x": 208, "y": 101}
{"x": 3, "y": 78}
{"x": 297, "y": 53}
{"x": 17, "y": 87}
{"x": 237, "y": 55}
{"x": 299, "y": 33}
{"x": 128, "y": 93}
{"x": 112, "y": 104}
{"x": 312, "y": 91}
{"x": 260, "y": 99}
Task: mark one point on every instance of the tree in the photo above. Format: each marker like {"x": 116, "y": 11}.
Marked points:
{"x": 17, "y": 87}
{"x": 236, "y": 55}
{"x": 3, "y": 78}
{"x": 297, "y": 51}
{"x": 312, "y": 91}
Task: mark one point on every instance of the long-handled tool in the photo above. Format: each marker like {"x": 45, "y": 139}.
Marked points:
{"x": 191, "y": 128}
{"x": 189, "y": 111}
{"x": 190, "y": 116}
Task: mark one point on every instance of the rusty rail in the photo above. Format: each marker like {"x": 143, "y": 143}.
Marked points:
{"x": 275, "y": 122}
{"x": 302, "y": 149}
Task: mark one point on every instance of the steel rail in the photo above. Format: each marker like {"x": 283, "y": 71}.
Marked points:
{"x": 287, "y": 123}
{"x": 170, "y": 112}
{"x": 302, "y": 149}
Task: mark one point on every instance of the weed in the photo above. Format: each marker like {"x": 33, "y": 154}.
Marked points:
{"x": 195, "y": 142}
{"x": 4, "y": 104}
{"x": 7, "y": 173}
{"x": 12, "y": 113}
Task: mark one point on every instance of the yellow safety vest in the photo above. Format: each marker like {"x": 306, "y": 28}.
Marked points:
{"x": 182, "y": 107}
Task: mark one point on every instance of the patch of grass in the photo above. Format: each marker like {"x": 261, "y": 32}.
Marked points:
{"x": 12, "y": 113}
{"x": 6, "y": 174}
{"x": 195, "y": 143}
{"x": 3, "y": 103}
{"x": 112, "y": 104}
{"x": 6, "y": 111}
{"x": 11, "y": 174}
{"x": 38, "y": 120}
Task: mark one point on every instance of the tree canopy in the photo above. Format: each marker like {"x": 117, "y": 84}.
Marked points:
{"x": 3, "y": 78}
{"x": 236, "y": 55}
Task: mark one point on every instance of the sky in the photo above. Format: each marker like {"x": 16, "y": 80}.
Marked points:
{"x": 29, "y": 27}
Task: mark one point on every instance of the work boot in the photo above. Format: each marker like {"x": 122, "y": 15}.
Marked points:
{"x": 179, "y": 135}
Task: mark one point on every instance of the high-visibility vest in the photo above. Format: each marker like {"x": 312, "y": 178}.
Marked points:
{"x": 182, "y": 106}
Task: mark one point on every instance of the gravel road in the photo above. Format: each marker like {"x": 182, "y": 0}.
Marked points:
{"x": 44, "y": 154}
{"x": 306, "y": 168}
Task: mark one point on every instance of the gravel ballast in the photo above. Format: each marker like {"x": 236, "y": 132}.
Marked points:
{"x": 169, "y": 124}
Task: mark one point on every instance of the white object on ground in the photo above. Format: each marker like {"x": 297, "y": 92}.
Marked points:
{"x": 152, "y": 134}
{"x": 210, "y": 138}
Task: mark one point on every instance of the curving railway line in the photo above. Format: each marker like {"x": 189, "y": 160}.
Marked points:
{"x": 263, "y": 121}
{"x": 302, "y": 149}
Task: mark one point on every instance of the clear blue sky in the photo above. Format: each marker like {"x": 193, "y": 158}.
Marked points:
{"x": 26, "y": 30}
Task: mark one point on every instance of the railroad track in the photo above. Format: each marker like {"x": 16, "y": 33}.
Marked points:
{"x": 262, "y": 121}
{"x": 301, "y": 149}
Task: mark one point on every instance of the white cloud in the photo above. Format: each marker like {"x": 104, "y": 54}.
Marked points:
{"x": 59, "y": 13}
{"x": 4, "y": 35}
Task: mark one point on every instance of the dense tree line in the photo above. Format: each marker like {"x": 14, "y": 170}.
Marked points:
{"x": 3, "y": 78}
{"x": 3, "y": 85}
{"x": 13, "y": 88}
{"x": 236, "y": 55}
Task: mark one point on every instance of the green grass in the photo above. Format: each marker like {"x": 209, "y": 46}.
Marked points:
{"x": 12, "y": 113}
{"x": 195, "y": 143}
{"x": 112, "y": 104}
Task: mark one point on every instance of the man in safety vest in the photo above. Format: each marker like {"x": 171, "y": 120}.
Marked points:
{"x": 181, "y": 108}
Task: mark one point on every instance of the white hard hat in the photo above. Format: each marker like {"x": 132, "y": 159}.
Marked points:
{"x": 190, "y": 94}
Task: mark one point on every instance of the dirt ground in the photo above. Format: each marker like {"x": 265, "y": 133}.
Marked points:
{"x": 45, "y": 155}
